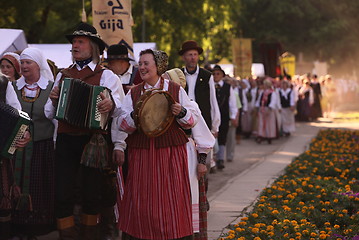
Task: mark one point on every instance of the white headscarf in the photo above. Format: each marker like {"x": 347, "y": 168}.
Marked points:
{"x": 36, "y": 55}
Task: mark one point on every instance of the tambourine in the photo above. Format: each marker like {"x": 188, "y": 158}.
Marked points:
{"x": 152, "y": 113}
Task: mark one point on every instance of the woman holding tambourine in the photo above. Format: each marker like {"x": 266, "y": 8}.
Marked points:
{"x": 157, "y": 199}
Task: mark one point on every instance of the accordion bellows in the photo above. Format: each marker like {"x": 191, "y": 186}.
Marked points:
{"x": 78, "y": 104}
{"x": 13, "y": 124}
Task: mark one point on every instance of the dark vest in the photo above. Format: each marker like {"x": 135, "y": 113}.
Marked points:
{"x": 3, "y": 86}
{"x": 266, "y": 104}
{"x": 202, "y": 94}
{"x": 285, "y": 102}
{"x": 223, "y": 94}
{"x": 43, "y": 128}
{"x": 174, "y": 136}
{"x": 88, "y": 76}
{"x": 133, "y": 79}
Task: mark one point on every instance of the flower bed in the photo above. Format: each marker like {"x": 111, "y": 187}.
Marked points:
{"x": 316, "y": 198}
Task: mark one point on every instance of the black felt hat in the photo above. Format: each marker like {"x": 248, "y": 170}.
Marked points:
{"x": 86, "y": 30}
{"x": 117, "y": 52}
{"x": 218, "y": 68}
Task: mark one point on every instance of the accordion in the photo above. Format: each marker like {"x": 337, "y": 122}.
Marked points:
{"x": 13, "y": 124}
{"x": 78, "y": 104}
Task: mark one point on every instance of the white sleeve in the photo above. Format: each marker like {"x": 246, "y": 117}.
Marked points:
{"x": 233, "y": 109}
{"x": 273, "y": 101}
{"x": 11, "y": 97}
{"x": 118, "y": 137}
{"x": 201, "y": 134}
{"x": 112, "y": 82}
{"x": 311, "y": 96}
{"x": 292, "y": 98}
{"x": 244, "y": 101}
{"x": 49, "y": 109}
{"x": 192, "y": 114}
{"x": 215, "y": 113}
{"x": 124, "y": 120}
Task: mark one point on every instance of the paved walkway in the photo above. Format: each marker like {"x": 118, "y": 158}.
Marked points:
{"x": 235, "y": 189}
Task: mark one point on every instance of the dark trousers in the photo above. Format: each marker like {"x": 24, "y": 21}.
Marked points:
{"x": 75, "y": 183}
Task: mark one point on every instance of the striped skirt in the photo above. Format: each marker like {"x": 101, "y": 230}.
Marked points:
{"x": 157, "y": 198}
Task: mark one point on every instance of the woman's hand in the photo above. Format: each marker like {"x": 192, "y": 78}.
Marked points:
{"x": 118, "y": 157}
{"x": 176, "y": 108}
{"x": 105, "y": 105}
{"x": 54, "y": 95}
{"x": 24, "y": 140}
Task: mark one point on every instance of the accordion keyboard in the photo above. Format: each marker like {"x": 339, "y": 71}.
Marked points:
{"x": 18, "y": 136}
{"x": 97, "y": 112}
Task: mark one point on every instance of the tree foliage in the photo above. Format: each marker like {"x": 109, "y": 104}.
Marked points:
{"x": 324, "y": 30}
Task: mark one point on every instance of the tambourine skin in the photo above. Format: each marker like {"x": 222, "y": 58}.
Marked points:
{"x": 153, "y": 115}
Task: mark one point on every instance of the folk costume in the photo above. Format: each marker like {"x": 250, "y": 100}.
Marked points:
{"x": 8, "y": 96}
{"x": 201, "y": 142}
{"x": 266, "y": 104}
{"x": 78, "y": 178}
{"x": 316, "y": 108}
{"x": 287, "y": 100}
{"x": 228, "y": 108}
{"x": 305, "y": 101}
{"x": 249, "y": 115}
{"x": 157, "y": 198}
{"x": 34, "y": 165}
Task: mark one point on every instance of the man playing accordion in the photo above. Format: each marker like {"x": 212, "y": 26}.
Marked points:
{"x": 75, "y": 144}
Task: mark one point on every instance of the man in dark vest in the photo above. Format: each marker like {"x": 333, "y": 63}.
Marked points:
{"x": 200, "y": 88}
{"x": 120, "y": 63}
{"x": 73, "y": 169}
{"x": 227, "y": 103}
{"x": 200, "y": 85}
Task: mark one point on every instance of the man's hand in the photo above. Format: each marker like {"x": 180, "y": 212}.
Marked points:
{"x": 24, "y": 140}
{"x": 105, "y": 105}
{"x": 201, "y": 170}
{"x": 118, "y": 157}
{"x": 54, "y": 95}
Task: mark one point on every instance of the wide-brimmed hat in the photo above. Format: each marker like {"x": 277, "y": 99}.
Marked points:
{"x": 218, "y": 68}
{"x": 117, "y": 52}
{"x": 86, "y": 30}
{"x": 190, "y": 45}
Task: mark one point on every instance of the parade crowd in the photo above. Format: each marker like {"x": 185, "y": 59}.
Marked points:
{"x": 125, "y": 181}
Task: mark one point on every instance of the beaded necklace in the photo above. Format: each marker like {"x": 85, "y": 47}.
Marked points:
{"x": 30, "y": 99}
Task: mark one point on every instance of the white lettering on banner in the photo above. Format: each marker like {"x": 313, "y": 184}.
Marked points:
{"x": 111, "y": 24}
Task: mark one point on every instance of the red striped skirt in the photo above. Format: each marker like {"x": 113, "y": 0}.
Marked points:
{"x": 157, "y": 198}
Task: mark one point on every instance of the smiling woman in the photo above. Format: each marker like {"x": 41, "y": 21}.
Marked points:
{"x": 157, "y": 184}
